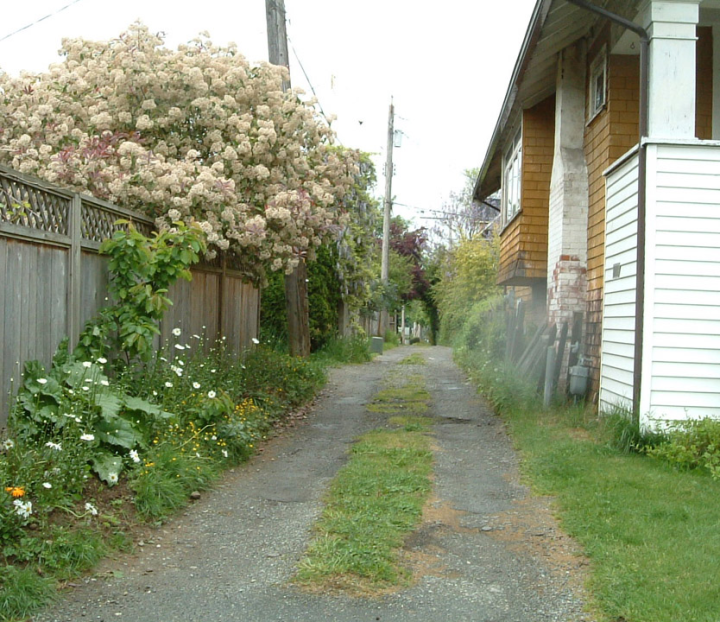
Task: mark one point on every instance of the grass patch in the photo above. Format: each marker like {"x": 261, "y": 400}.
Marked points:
{"x": 649, "y": 530}
{"x": 411, "y": 397}
{"x": 22, "y": 591}
{"x": 411, "y": 423}
{"x": 414, "y": 359}
{"x": 374, "y": 502}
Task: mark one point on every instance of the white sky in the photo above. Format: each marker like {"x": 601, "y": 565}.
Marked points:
{"x": 447, "y": 67}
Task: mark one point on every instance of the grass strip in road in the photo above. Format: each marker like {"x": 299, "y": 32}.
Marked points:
{"x": 373, "y": 503}
{"x": 411, "y": 397}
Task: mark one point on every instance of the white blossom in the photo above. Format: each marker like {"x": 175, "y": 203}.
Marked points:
{"x": 23, "y": 508}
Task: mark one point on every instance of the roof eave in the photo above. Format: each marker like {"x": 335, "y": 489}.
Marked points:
{"x": 532, "y": 36}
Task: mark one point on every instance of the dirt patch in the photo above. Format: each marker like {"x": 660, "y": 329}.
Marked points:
{"x": 423, "y": 553}
{"x": 530, "y": 528}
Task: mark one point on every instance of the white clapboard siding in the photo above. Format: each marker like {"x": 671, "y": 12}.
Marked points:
{"x": 618, "y": 332}
{"x": 681, "y": 353}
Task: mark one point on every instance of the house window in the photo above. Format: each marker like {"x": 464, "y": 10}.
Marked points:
{"x": 512, "y": 176}
{"x": 598, "y": 84}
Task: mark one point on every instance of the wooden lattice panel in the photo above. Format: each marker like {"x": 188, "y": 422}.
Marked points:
{"x": 31, "y": 207}
{"x": 98, "y": 224}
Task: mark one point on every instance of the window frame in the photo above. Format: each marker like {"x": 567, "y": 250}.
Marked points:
{"x": 597, "y": 76}
{"x": 512, "y": 179}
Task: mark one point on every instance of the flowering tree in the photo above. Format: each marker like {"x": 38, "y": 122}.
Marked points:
{"x": 196, "y": 132}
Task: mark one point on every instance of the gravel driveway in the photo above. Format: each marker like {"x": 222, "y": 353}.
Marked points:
{"x": 487, "y": 551}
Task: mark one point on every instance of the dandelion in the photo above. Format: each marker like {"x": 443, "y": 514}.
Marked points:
{"x": 255, "y": 341}
{"x": 47, "y": 485}
{"x": 87, "y": 437}
{"x": 169, "y": 385}
{"x": 212, "y": 394}
{"x": 16, "y": 491}
{"x": 89, "y": 507}
{"x": 102, "y": 360}
{"x": 87, "y": 364}
{"x": 113, "y": 478}
{"x": 196, "y": 385}
{"x": 55, "y": 446}
{"x": 23, "y": 508}
{"x": 134, "y": 456}
{"x": 179, "y": 347}
{"x": 8, "y": 444}
{"x": 42, "y": 380}
{"x": 177, "y": 332}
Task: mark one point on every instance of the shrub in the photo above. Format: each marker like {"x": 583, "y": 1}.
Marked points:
{"x": 690, "y": 445}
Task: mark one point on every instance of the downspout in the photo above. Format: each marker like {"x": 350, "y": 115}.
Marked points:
{"x": 642, "y": 173}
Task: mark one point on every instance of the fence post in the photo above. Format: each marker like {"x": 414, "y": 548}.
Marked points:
{"x": 221, "y": 298}
{"x": 75, "y": 271}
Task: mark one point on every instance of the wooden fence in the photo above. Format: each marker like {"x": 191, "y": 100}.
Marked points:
{"x": 52, "y": 279}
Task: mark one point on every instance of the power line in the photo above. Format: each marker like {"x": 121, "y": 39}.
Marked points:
{"x": 67, "y": 6}
{"x": 307, "y": 79}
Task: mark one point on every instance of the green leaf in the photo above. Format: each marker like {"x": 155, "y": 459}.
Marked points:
{"x": 77, "y": 373}
{"x": 109, "y": 403}
{"x": 106, "y": 465}
{"x": 118, "y": 431}
{"x": 137, "y": 403}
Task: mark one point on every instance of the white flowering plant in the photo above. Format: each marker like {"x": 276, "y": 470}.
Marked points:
{"x": 75, "y": 407}
{"x": 196, "y": 132}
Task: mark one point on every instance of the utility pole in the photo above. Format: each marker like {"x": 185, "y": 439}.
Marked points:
{"x": 385, "y": 265}
{"x": 296, "y": 294}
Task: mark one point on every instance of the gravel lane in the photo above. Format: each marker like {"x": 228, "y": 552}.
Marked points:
{"x": 485, "y": 552}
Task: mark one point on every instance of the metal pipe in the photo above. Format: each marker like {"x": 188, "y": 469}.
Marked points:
{"x": 642, "y": 192}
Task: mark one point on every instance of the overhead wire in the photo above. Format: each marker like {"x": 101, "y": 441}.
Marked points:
{"x": 49, "y": 15}
{"x": 307, "y": 78}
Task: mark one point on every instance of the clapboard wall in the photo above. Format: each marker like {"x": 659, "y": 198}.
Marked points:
{"x": 681, "y": 344}
{"x": 618, "y": 317}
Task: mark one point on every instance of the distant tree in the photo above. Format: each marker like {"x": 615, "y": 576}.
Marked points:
{"x": 462, "y": 217}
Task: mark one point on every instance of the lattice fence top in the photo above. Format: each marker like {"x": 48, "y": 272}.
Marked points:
{"x": 32, "y": 207}
{"x": 98, "y": 222}
{"x": 33, "y": 204}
